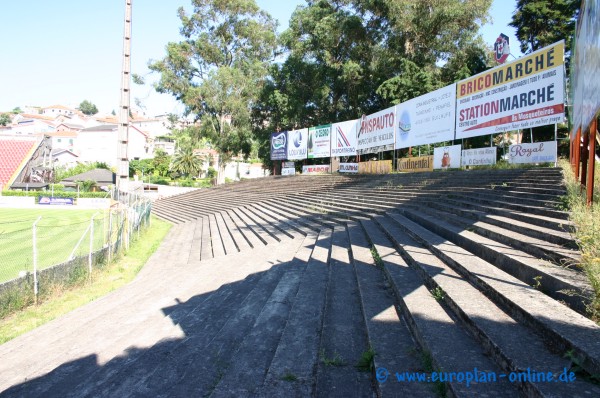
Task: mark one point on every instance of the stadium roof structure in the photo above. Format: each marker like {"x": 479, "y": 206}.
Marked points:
{"x": 13, "y": 155}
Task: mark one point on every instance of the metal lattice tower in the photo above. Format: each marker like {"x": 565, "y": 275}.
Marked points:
{"x": 123, "y": 160}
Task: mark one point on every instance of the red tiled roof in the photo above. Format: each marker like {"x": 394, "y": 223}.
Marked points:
{"x": 12, "y": 155}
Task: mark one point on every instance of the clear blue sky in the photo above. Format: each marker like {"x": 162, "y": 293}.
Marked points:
{"x": 65, "y": 51}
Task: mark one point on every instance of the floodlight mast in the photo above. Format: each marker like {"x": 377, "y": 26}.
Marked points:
{"x": 123, "y": 139}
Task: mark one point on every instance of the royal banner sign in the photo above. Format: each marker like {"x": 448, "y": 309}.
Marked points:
{"x": 525, "y": 93}
{"x": 539, "y": 152}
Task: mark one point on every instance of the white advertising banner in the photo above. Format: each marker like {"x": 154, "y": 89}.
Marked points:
{"x": 296, "y": 147}
{"x": 539, "y": 152}
{"x": 348, "y": 168}
{"x": 525, "y": 93}
{"x": 288, "y": 171}
{"x": 447, "y": 157}
{"x": 343, "y": 138}
{"x": 317, "y": 169}
{"x": 376, "y": 132}
{"x": 319, "y": 141}
{"x": 426, "y": 119}
{"x": 479, "y": 156}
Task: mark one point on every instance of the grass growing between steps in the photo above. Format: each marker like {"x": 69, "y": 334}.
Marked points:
{"x": 587, "y": 222}
{"x": 104, "y": 280}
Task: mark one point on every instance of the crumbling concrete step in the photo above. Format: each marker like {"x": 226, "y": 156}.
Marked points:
{"x": 288, "y": 223}
{"x": 563, "y": 329}
{"x": 246, "y": 374}
{"x": 555, "y": 281}
{"x": 206, "y": 252}
{"x": 256, "y": 227}
{"x": 344, "y": 339}
{"x": 538, "y": 210}
{"x": 557, "y": 237}
{"x": 273, "y": 225}
{"x": 226, "y": 237}
{"x": 291, "y": 372}
{"x": 438, "y": 335}
{"x": 513, "y": 346}
{"x": 251, "y": 237}
{"x": 536, "y": 247}
{"x": 387, "y": 333}
{"x": 215, "y": 237}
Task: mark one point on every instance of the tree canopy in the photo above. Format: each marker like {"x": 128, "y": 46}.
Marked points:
{"x": 540, "y": 23}
{"x": 88, "y": 108}
{"x": 218, "y": 70}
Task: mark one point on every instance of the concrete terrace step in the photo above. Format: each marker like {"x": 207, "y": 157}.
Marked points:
{"x": 437, "y": 333}
{"x": 557, "y": 282}
{"x": 387, "y": 333}
{"x": 536, "y": 247}
{"x": 561, "y": 328}
{"x": 513, "y": 346}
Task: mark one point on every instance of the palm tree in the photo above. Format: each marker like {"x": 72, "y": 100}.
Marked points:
{"x": 186, "y": 162}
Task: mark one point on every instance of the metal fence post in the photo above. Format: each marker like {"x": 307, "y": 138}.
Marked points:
{"x": 110, "y": 235}
{"x": 91, "y": 246}
{"x": 35, "y": 260}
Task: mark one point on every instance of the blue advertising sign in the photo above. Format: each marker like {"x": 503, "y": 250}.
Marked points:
{"x": 46, "y": 200}
{"x": 279, "y": 146}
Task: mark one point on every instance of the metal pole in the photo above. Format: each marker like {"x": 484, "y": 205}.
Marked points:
{"x": 109, "y": 235}
{"x": 35, "y": 260}
{"x": 556, "y": 141}
{"x": 91, "y": 246}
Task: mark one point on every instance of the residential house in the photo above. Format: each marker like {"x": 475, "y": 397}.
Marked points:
{"x": 64, "y": 158}
{"x": 63, "y": 139}
{"x": 56, "y": 110}
{"x": 100, "y": 143}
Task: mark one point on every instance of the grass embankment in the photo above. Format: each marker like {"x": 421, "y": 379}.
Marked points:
{"x": 587, "y": 222}
{"x": 104, "y": 280}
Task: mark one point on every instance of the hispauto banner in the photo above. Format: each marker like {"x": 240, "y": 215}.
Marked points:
{"x": 426, "y": 119}
{"x": 376, "y": 132}
{"x": 319, "y": 141}
{"x": 296, "y": 148}
{"x": 278, "y": 146}
{"x": 527, "y": 92}
{"x": 343, "y": 138}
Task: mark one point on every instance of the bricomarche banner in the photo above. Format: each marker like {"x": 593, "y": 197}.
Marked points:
{"x": 525, "y": 93}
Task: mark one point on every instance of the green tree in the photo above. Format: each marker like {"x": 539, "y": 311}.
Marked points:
{"x": 88, "y": 108}
{"x": 186, "y": 162}
{"x": 5, "y": 119}
{"x": 16, "y": 110}
{"x": 218, "y": 70}
{"x": 540, "y": 23}
{"x": 161, "y": 163}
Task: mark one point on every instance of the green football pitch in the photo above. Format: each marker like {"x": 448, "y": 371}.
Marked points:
{"x": 60, "y": 233}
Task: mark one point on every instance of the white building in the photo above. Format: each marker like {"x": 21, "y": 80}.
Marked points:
{"x": 99, "y": 144}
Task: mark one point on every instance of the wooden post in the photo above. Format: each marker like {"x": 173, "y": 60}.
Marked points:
{"x": 591, "y": 157}
{"x": 584, "y": 158}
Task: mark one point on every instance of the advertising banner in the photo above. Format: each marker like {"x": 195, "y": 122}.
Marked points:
{"x": 317, "y": 169}
{"x": 348, "y": 168}
{"x": 279, "y": 146}
{"x": 46, "y": 200}
{"x": 319, "y": 141}
{"x": 539, "y": 152}
{"x": 524, "y": 93}
{"x": 479, "y": 156}
{"x": 585, "y": 66}
{"x": 288, "y": 171}
{"x": 421, "y": 163}
{"x": 447, "y": 157}
{"x": 343, "y": 138}
{"x": 426, "y": 119}
{"x": 375, "y": 167}
{"x": 376, "y": 132}
{"x": 296, "y": 148}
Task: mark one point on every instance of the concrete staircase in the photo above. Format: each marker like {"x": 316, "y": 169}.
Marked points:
{"x": 337, "y": 286}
